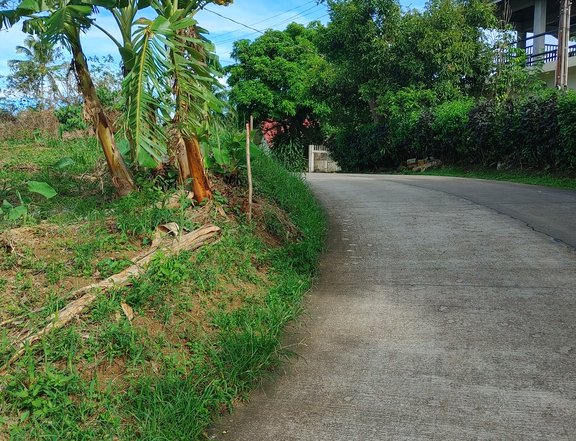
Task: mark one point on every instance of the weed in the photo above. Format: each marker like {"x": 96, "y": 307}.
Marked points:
{"x": 139, "y": 213}
{"x": 83, "y": 256}
{"x": 182, "y": 408}
{"x": 106, "y": 305}
{"x": 119, "y": 339}
{"x": 109, "y": 266}
{"x": 54, "y": 271}
{"x": 273, "y": 225}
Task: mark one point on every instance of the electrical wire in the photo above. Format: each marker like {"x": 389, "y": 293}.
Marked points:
{"x": 284, "y": 12}
{"x": 272, "y": 26}
{"x": 270, "y": 18}
{"x": 233, "y": 21}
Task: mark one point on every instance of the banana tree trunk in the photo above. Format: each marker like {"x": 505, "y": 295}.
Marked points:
{"x": 195, "y": 169}
{"x": 178, "y": 156}
{"x": 121, "y": 176}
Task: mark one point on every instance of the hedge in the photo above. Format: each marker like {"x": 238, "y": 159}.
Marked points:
{"x": 536, "y": 131}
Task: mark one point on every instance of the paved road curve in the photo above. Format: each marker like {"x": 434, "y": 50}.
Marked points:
{"x": 435, "y": 317}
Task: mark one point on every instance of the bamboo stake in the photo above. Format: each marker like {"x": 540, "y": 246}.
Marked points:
{"x": 249, "y": 169}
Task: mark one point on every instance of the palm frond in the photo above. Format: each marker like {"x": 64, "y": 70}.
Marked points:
{"x": 194, "y": 77}
{"x": 146, "y": 89}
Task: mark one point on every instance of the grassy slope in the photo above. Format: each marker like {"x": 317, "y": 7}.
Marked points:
{"x": 207, "y": 324}
{"x": 521, "y": 176}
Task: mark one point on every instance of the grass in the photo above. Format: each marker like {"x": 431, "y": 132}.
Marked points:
{"x": 207, "y": 325}
{"x": 544, "y": 178}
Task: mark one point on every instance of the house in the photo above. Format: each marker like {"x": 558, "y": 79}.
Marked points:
{"x": 543, "y": 29}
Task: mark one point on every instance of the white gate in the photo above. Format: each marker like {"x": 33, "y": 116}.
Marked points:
{"x": 319, "y": 160}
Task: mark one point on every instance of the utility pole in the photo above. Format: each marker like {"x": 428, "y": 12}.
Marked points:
{"x": 561, "y": 81}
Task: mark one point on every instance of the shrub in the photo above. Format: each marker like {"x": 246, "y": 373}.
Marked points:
{"x": 487, "y": 123}
{"x": 452, "y": 140}
{"x": 536, "y": 131}
{"x": 567, "y": 128}
{"x": 365, "y": 148}
{"x": 70, "y": 117}
{"x": 539, "y": 131}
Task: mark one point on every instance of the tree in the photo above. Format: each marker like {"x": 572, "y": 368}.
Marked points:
{"x": 444, "y": 47}
{"x": 170, "y": 70}
{"x": 169, "y": 77}
{"x": 358, "y": 43}
{"x": 274, "y": 76}
{"x": 36, "y": 76}
{"x": 386, "y": 66}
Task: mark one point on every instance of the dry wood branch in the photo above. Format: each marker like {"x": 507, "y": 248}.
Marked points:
{"x": 86, "y": 295}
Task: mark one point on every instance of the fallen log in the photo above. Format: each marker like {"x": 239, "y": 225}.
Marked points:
{"x": 86, "y": 295}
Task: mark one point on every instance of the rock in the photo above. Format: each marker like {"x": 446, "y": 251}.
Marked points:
{"x": 419, "y": 165}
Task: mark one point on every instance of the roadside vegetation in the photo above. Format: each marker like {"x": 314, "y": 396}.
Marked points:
{"x": 106, "y": 331}
{"x": 161, "y": 357}
{"x": 380, "y": 85}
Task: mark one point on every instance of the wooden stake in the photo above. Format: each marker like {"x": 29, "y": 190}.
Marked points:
{"x": 249, "y": 169}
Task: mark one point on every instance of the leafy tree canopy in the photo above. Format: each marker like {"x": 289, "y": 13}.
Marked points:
{"x": 274, "y": 75}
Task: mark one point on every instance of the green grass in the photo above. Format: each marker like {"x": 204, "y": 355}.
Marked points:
{"x": 81, "y": 192}
{"x": 544, "y": 178}
{"x": 207, "y": 327}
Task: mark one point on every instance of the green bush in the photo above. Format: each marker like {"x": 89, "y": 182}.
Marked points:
{"x": 567, "y": 128}
{"x": 535, "y": 131}
{"x": 452, "y": 140}
{"x": 70, "y": 118}
{"x": 290, "y": 151}
{"x": 487, "y": 124}
{"x": 365, "y": 148}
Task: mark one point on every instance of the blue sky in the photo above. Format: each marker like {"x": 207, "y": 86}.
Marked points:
{"x": 259, "y": 14}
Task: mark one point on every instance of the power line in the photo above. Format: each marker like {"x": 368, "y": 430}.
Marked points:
{"x": 234, "y": 21}
{"x": 270, "y": 18}
{"x": 270, "y": 27}
{"x": 228, "y": 60}
{"x": 284, "y": 12}
{"x": 300, "y": 14}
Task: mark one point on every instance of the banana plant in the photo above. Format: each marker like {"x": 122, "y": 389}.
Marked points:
{"x": 63, "y": 21}
{"x": 169, "y": 90}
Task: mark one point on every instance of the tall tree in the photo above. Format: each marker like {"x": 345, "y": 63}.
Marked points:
{"x": 358, "y": 43}
{"x": 274, "y": 76}
{"x": 444, "y": 47}
{"x": 37, "y": 75}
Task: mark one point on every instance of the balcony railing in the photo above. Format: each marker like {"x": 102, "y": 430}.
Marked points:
{"x": 549, "y": 55}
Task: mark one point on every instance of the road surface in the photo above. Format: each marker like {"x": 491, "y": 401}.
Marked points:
{"x": 445, "y": 310}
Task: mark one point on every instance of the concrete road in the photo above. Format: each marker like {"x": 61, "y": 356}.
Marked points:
{"x": 436, "y": 317}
